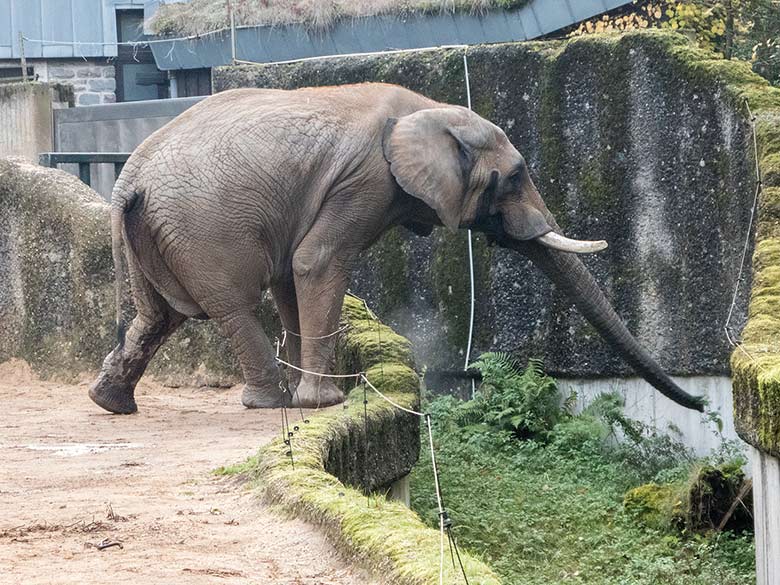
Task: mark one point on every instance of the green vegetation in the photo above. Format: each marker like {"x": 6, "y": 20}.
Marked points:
{"x": 549, "y": 508}
{"x": 746, "y": 29}
{"x": 201, "y": 16}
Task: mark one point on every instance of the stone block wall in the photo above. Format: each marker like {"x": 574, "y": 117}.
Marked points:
{"x": 93, "y": 82}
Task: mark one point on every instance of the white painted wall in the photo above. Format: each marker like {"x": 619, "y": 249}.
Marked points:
{"x": 766, "y": 503}
{"x": 644, "y": 403}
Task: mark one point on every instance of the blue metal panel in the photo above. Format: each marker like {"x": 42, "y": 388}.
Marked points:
{"x": 610, "y": 4}
{"x": 27, "y": 19}
{"x": 530, "y": 22}
{"x": 60, "y": 20}
{"x": 585, "y": 9}
{"x": 553, "y": 15}
{"x": 6, "y": 30}
{"x": 57, "y": 24}
{"x": 87, "y": 23}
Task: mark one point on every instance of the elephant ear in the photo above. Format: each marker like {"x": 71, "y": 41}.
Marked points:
{"x": 431, "y": 154}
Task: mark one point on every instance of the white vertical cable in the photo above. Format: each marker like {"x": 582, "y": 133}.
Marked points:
{"x": 438, "y": 500}
{"x": 232, "y": 33}
{"x": 471, "y": 251}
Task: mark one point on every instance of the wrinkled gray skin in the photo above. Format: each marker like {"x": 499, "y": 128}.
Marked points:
{"x": 254, "y": 189}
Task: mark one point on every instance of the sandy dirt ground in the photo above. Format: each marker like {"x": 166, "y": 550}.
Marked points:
{"x": 73, "y": 477}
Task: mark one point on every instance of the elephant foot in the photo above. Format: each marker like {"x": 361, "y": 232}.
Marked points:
{"x": 317, "y": 393}
{"x": 262, "y": 396}
{"x": 113, "y": 398}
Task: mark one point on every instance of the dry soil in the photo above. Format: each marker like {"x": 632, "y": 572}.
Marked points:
{"x": 73, "y": 477}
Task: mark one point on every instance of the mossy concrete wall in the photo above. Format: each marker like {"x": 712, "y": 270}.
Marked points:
{"x": 629, "y": 138}
{"x": 756, "y": 362}
{"x": 26, "y": 111}
{"x": 57, "y": 285}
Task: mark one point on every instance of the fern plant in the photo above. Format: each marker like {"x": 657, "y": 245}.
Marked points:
{"x": 524, "y": 401}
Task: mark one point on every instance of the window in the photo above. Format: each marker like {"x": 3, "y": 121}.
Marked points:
{"x": 13, "y": 74}
{"x": 137, "y": 76}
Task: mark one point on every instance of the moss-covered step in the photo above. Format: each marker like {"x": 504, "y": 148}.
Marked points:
{"x": 340, "y": 456}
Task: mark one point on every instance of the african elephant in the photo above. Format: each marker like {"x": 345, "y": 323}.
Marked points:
{"x": 253, "y": 189}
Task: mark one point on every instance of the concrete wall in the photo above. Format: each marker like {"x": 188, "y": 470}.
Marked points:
{"x": 112, "y": 128}
{"x": 644, "y": 404}
{"x": 766, "y": 502}
{"x": 26, "y": 119}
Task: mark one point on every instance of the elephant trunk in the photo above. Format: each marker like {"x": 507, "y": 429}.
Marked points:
{"x": 570, "y": 275}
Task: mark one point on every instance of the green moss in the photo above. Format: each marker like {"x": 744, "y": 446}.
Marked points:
{"x": 552, "y": 149}
{"x": 485, "y": 107}
{"x": 452, "y": 290}
{"x": 653, "y": 504}
{"x": 770, "y": 169}
{"x": 384, "y": 535}
{"x": 391, "y": 255}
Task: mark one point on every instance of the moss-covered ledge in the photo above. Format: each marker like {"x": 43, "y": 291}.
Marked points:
{"x": 332, "y": 464}
{"x": 756, "y": 363}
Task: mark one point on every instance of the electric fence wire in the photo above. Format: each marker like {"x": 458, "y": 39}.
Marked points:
{"x": 294, "y": 334}
{"x": 287, "y": 434}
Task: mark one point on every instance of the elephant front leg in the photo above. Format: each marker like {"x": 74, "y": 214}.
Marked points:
{"x": 320, "y": 283}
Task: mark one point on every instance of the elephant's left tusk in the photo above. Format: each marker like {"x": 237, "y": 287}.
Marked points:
{"x": 564, "y": 244}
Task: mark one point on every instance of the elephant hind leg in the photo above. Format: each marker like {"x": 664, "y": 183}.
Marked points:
{"x": 287, "y": 307}
{"x": 262, "y": 378}
{"x": 114, "y": 389}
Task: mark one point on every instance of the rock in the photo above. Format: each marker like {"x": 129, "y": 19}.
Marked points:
{"x": 654, "y": 505}
{"x": 712, "y": 498}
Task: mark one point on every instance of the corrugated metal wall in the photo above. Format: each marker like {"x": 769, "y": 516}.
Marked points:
{"x": 60, "y": 20}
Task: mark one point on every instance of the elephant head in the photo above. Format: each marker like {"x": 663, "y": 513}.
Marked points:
{"x": 468, "y": 172}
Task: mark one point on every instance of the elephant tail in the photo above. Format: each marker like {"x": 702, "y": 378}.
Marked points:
{"x": 120, "y": 203}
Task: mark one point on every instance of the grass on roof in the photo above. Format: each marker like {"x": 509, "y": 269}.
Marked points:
{"x": 200, "y": 16}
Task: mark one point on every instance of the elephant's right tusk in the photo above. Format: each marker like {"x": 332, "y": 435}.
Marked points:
{"x": 564, "y": 244}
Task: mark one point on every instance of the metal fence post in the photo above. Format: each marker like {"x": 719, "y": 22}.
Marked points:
{"x": 22, "y": 57}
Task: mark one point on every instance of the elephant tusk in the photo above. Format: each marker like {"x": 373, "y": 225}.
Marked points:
{"x": 564, "y": 244}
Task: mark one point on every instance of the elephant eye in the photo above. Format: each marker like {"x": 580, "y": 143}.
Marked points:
{"x": 514, "y": 179}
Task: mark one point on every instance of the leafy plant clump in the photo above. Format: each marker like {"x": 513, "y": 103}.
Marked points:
{"x": 546, "y": 505}
{"x": 525, "y": 401}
